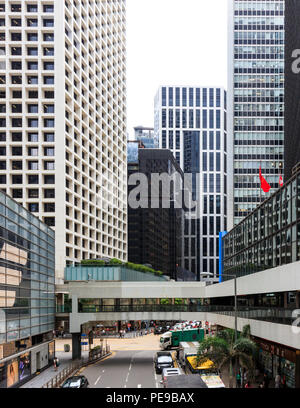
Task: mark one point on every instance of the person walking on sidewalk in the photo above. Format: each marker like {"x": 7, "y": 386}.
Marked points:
{"x": 277, "y": 380}
{"x": 55, "y": 363}
{"x": 238, "y": 380}
{"x": 266, "y": 381}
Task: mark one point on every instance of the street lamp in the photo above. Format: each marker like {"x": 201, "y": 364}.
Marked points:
{"x": 235, "y": 301}
{"x": 235, "y": 315}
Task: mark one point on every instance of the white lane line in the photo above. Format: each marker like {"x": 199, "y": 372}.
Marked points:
{"x": 127, "y": 377}
{"x": 130, "y": 367}
{"x": 97, "y": 380}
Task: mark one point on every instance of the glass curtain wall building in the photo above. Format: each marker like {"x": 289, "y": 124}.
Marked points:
{"x": 292, "y": 87}
{"x": 255, "y": 101}
{"x": 146, "y": 136}
{"x": 27, "y": 300}
{"x": 191, "y": 122}
{"x": 269, "y": 236}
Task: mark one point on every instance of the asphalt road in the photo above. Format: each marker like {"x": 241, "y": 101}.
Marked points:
{"x": 124, "y": 369}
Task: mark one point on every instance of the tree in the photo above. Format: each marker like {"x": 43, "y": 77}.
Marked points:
{"x": 222, "y": 349}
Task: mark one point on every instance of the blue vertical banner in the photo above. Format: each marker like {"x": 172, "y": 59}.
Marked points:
{"x": 221, "y": 266}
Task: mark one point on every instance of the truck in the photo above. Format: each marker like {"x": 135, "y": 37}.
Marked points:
{"x": 207, "y": 371}
{"x": 172, "y": 339}
{"x": 187, "y": 348}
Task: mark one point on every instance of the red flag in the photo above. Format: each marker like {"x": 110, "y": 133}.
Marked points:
{"x": 265, "y": 186}
{"x": 280, "y": 181}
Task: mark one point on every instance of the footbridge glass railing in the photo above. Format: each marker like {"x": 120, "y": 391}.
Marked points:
{"x": 274, "y": 315}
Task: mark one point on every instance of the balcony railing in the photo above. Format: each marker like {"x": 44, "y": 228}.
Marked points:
{"x": 269, "y": 314}
{"x": 63, "y": 308}
{"x": 274, "y": 315}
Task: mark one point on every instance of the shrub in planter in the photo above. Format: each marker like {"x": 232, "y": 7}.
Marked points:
{"x": 67, "y": 347}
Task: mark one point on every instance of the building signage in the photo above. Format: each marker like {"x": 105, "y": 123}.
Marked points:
{"x": 277, "y": 350}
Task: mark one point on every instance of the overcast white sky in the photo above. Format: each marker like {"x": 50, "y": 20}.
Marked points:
{"x": 172, "y": 42}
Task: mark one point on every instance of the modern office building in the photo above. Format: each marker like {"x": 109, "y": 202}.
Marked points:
{"x": 292, "y": 87}
{"x": 263, "y": 252}
{"x": 63, "y": 121}
{"x": 191, "y": 122}
{"x": 146, "y": 136}
{"x": 255, "y": 101}
{"x": 154, "y": 231}
{"x": 27, "y": 300}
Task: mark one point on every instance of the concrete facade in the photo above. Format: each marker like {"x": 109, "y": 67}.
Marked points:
{"x": 282, "y": 279}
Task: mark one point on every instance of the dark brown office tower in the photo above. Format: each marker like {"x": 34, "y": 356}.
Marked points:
{"x": 154, "y": 234}
{"x": 292, "y": 87}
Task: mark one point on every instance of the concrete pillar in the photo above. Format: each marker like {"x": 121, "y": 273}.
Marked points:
{"x": 76, "y": 346}
{"x": 297, "y": 300}
{"x": 74, "y": 304}
{"x": 285, "y": 299}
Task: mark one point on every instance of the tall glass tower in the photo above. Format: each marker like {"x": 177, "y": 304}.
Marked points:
{"x": 255, "y": 101}
{"x": 192, "y": 123}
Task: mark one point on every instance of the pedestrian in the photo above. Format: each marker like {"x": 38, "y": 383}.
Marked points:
{"x": 248, "y": 385}
{"x": 141, "y": 332}
{"x": 256, "y": 373}
{"x": 266, "y": 381}
{"x": 120, "y": 333}
{"x": 277, "y": 380}
{"x": 283, "y": 382}
{"x": 55, "y": 363}
{"x": 238, "y": 380}
{"x": 245, "y": 377}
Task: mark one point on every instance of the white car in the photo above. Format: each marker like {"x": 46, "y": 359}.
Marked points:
{"x": 170, "y": 372}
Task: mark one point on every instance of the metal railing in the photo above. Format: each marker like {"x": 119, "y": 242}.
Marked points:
{"x": 94, "y": 355}
{"x": 63, "y": 308}
{"x": 271, "y": 314}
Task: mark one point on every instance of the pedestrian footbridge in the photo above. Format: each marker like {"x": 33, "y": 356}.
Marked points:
{"x": 116, "y": 294}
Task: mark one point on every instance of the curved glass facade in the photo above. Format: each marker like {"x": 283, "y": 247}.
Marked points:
{"x": 27, "y": 273}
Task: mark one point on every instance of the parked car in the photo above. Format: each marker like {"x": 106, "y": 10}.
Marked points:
{"x": 162, "y": 354}
{"x": 77, "y": 381}
{"x": 163, "y": 361}
{"x": 170, "y": 372}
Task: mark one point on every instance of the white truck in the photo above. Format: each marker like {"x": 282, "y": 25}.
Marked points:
{"x": 187, "y": 348}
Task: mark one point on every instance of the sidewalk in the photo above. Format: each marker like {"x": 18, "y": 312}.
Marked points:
{"x": 46, "y": 375}
{"x": 130, "y": 342}
{"x": 64, "y": 359}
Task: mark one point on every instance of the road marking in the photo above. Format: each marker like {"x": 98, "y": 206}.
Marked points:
{"x": 130, "y": 367}
{"x": 97, "y": 380}
{"x": 98, "y": 362}
{"x": 103, "y": 371}
{"x": 139, "y": 386}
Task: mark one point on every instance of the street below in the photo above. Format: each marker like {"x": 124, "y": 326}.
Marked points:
{"x": 124, "y": 369}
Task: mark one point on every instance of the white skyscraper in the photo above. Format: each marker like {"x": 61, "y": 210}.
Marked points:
{"x": 191, "y": 122}
{"x": 255, "y": 102}
{"x": 63, "y": 121}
